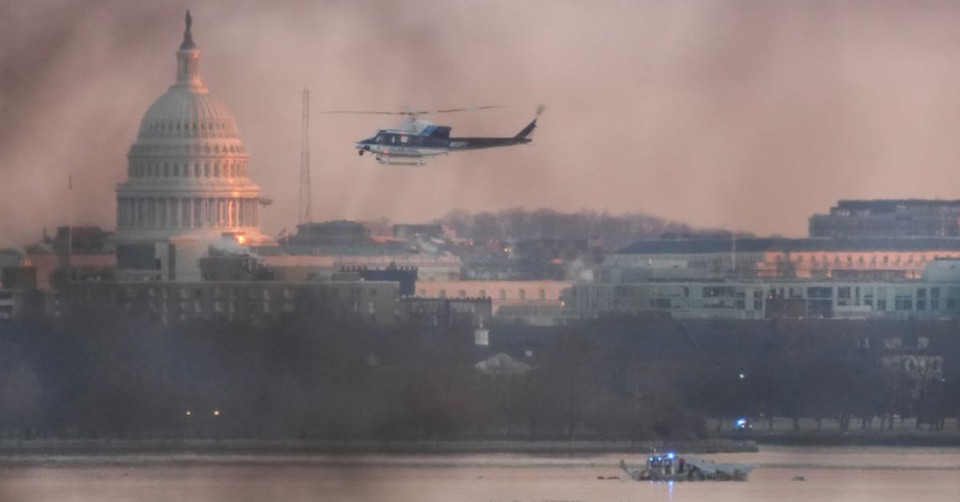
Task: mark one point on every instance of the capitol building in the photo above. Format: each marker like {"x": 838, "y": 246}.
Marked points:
{"x": 188, "y": 181}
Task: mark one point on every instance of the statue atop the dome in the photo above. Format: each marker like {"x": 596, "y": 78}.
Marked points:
{"x": 187, "y": 36}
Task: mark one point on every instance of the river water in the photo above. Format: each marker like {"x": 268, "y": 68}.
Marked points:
{"x": 831, "y": 474}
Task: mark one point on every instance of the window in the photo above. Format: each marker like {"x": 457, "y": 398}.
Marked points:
{"x": 843, "y": 295}
{"x": 902, "y": 299}
{"x": 660, "y": 303}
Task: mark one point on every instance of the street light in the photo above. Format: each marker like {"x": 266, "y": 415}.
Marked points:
{"x": 216, "y": 425}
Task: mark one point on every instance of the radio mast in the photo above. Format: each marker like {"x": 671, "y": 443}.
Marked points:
{"x": 304, "y": 210}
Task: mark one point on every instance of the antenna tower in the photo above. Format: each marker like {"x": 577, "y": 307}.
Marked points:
{"x": 304, "y": 210}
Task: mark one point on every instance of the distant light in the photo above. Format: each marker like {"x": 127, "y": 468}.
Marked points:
{"x": 241, "y": 239}
{"x": 189, "y": 413}
{"x": 742, "y": 376}
{"x": 216, "y": 413}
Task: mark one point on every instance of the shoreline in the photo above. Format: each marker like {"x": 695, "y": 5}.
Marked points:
{"x": 14, "y": 448}
{"x": 745, "y": 443}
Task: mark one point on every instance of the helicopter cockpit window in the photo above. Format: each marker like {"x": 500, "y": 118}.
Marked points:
{"x": 404, "y": 139}
{"x": 381, "y": 138}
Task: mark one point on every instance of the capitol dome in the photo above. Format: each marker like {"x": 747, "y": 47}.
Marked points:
{"x": 188, "y": 171}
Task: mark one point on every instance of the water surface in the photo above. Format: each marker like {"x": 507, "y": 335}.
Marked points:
{"x": 843, "y": 474}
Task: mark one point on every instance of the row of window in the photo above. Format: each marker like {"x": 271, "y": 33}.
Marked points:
{"x": 897, "y": 258}
{"x": 876, "y": 298}
{"x": 177, "y": 170}
{"x": 264, "y": 294}
{"x": 215, "y": 127}
{"x": 521, "y": 294}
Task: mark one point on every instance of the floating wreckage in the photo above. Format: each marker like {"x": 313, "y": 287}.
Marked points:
{"x": 671, "y": 467}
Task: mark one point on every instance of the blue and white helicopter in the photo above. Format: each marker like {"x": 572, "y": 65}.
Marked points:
{"x": 411, "y": 143}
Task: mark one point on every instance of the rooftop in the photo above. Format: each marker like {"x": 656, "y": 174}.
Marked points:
{"x": 760, "y": 245}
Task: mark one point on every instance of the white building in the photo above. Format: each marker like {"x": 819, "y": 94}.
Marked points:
{"x": 188, "y": 181}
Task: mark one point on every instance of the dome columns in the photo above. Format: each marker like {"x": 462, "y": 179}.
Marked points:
{"x": 186, "y": 213}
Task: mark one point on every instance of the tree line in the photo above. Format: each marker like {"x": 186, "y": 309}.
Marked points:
{"x": 96, "y": 373}
{"x": 612, "y": 231}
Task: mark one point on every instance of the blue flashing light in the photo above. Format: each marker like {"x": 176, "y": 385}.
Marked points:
{"x": 671, "y": 455}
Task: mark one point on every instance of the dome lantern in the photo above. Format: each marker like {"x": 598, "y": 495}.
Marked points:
{"x": 188, "y": 60}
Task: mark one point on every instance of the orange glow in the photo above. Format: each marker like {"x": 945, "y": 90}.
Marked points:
{"x": 241, "y": 239}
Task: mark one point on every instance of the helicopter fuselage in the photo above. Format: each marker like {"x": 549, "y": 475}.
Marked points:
{"x": 420, "y": 139}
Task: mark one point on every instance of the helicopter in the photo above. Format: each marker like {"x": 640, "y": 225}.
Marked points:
{"x": 414, "y": 140}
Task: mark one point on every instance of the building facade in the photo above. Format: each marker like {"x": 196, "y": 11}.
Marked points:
{"x": 773, "y": 258}
{"x": 257, "y": 302}
{"x": 889, "y": 218}
{"x": 935, "y": 296}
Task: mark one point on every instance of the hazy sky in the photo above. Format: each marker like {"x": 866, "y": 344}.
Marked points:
{"x": 750, "y": 115}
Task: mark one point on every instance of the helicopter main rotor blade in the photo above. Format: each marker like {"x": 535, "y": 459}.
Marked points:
{"x": 451, "y": 110}
{"x": 357, "y": 112}
{"x": 411, "y": 113}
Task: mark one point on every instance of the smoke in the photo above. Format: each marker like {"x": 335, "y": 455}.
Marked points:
{"x": 742, "y": 114}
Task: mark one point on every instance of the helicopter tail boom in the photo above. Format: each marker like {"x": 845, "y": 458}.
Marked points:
{"x": 522, "y": 136}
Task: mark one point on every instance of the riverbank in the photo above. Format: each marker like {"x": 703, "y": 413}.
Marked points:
{"x": 14, "y": 448}
{"x": 904, "y": 433}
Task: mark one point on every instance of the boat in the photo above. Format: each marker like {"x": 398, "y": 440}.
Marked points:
{"x": 672, "y": 467}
